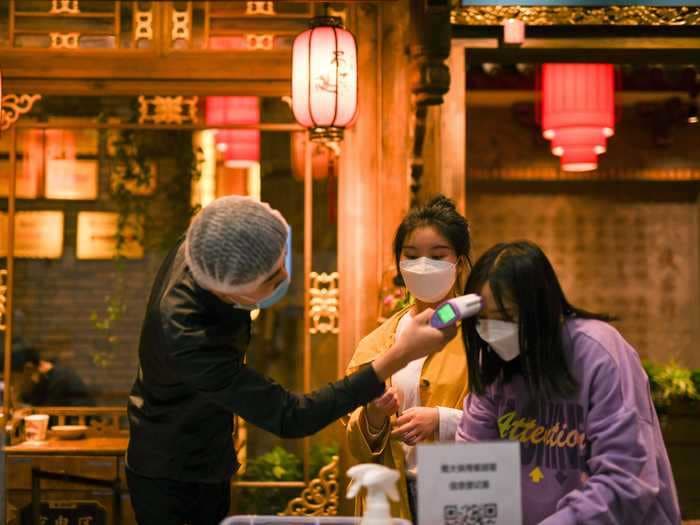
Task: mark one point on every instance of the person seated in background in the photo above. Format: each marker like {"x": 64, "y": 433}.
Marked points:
{"x": 567, "y": 386}
{"x": 39, "y": 382}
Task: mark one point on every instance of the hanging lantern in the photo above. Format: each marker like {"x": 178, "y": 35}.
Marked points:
{"x": 578, "y": 112}
{"x": 513, "y": 31}
{"x": 322, "y": 158}
{"x": 324, "y": 79}
{"x": 239, "y": 146}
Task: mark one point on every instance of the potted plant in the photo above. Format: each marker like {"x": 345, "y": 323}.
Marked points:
{"x": 676, "y": 394}
{"x": 278, "y": 465}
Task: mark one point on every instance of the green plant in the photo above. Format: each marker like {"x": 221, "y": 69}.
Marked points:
{"x": 321, "y": 456}
{"x": 130, "y": 176}
{"x": 276, "y": 465}
{"x": 279, "y": 465}
{"x": 672, "y": 383}
{"x": 695, "y": 376}
{"x": 114, "y": 310}
{"x": 178, "y": 191}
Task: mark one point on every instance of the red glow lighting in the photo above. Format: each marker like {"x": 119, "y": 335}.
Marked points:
{"x": 578, "y": 112}
{"x": 240, "y": 146}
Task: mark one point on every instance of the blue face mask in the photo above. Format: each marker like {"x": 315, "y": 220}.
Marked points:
{"x": 282, "y": 288}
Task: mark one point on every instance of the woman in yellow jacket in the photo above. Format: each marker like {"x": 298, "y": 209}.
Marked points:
{"x": 424, "y": 400}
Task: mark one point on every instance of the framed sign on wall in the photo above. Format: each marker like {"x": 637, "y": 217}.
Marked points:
{"x": 71, "y": 161}
{"x": 71, "y": 179}
{"x": 30, "y": 164}
{"x": 97, "y": 237}
{"x": 38, "y": 234}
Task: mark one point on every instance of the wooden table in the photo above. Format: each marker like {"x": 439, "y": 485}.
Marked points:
{"x": 90, "y": 462}
{"x": 91, "y": 446}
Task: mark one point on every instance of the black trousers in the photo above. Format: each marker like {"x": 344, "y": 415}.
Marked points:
{"x": 170, "y": 502}
{"x": 412, "y": 489}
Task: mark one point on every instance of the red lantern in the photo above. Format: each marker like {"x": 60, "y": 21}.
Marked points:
{"x": 578, "y": 112}
{"x": 240, "y": 146}
{"x": 324, "y": 79}
{"x": 322, "y": 158}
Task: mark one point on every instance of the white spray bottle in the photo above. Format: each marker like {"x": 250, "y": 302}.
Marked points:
{"x": 380, "y": 483}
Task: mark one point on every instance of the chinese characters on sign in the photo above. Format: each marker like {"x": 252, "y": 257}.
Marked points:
{"x": 67, "y": 513}
{"x": 468, "y": 467}
{"x": 469, "y": 483}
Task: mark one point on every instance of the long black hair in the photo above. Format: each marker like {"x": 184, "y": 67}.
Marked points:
{"x": 441, "y": 214}
{"x": 519, "y": 272}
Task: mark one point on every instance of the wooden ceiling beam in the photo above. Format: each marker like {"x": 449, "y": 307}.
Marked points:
{"x": 116, "y": 87}
{"x": 194, "y": 66}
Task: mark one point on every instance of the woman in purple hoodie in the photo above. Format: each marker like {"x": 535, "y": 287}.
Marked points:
{"x": 571, "y": 390}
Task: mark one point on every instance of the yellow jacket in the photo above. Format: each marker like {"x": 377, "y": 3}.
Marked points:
{"x": 443, "y": 383}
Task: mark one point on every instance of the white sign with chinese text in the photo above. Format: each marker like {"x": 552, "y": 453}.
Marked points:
{"x": 469, "y": 483}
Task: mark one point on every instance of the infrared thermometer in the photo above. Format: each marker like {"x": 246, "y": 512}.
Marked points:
{"x": 453, "y": 310}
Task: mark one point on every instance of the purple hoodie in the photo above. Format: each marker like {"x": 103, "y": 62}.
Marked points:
{"x": 596, "y": 459}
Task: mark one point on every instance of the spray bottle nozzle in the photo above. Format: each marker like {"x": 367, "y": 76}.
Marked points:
{"x": 380, "y": 483}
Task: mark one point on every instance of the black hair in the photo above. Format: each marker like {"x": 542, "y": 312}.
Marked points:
{"x": 21, "y": 356}
{"x": 521, "y": 273}
{"x": 440, "y": 213}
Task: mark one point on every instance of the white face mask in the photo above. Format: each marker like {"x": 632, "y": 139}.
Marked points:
{"x": 502, "y": 336}
{"x": 428, "y": 280}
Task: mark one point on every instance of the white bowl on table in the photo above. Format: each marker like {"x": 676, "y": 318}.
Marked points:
{"x": 69, "y": 431}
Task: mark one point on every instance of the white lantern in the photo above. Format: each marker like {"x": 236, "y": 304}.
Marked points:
{"x": 324, "y": 79}
{"x": 513, "y": 31}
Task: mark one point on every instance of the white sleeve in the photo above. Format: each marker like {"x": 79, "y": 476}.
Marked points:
{"x": 449, "y": 420}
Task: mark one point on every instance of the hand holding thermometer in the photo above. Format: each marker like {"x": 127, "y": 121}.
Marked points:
{"x": 453, "y": 310}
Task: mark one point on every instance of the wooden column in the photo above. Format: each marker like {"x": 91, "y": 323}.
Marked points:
{"x": 444, "y": 153}
{"x": 9, "y": 293}
{"x": 373, "y": 178}
{"x": 373, "y": 193}
{"x": 393, "y": 196}
{"x": 693, "y": 361}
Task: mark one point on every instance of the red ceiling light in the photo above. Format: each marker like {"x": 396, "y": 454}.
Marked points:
{"x": 322, "y": 157}
{"x": 578, "y": 112}
{"x": 240, "y": 146}
{"x": 324, "y": 78}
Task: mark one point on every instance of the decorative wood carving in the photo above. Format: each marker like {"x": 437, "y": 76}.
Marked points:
{"x": 260, "y": 8}
{"x": 59, "y": 7}
{"x": 13, "y": 106}
{"x": 143, "y": 25}
{"x": 324, "y": 303}
{"x": 168, "y": 110}
{"x": 320, "y": 497}
{"x": 65, "y": 40}
{"x": 546, "y": 16}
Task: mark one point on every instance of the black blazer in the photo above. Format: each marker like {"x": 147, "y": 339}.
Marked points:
{"x": 192, "y": 378}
